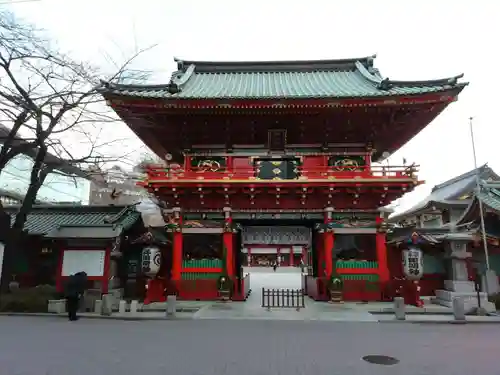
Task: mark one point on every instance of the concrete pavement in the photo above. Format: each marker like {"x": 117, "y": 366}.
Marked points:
{"x": 107, "y": 347}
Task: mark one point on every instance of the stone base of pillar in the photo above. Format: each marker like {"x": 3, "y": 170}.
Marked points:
{"x": 465, "y": 290}
{"x": 460, "y": 286}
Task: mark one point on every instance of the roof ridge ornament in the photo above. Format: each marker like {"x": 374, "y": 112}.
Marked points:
{"x": 370, "y": 60}
{"x": 385, "y": 84}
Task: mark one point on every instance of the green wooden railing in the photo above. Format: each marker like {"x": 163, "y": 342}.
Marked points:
{"x": 366, "y": 277}
{"x": 199, "y": 275}
{"x": 356, "y": 264}
{"x": 202, "y": 263}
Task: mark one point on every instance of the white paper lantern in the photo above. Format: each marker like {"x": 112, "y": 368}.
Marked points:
{"x": 413, "y": 263}
{"x": 151, "y": 261}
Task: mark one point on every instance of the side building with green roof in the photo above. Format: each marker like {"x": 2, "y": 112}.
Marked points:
{"x": 447, "y": 227}
{"x": 60, "y": 240}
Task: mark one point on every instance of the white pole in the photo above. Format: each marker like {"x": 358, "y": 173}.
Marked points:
{"x": 478, "y": 188}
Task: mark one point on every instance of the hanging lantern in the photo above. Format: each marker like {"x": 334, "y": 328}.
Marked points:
{"x": 413, "y": 263}
{"x": 151, "y": 261}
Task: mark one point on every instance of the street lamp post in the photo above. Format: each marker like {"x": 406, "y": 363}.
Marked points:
{"x": 481, "y": 209}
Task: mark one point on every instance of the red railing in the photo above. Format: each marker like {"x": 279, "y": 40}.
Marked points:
{"x": 162, "y": 173}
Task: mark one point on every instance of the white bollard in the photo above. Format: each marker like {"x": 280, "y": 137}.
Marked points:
{"x": 171, "y": 306}
{"x": 98, "y": 306}
{"x": 122, "y": 307}
{"x": 133, "y": 306}
{"x": 107, "y": 305}
{"x": 399, "y": 308}
{"x": 459, "y": 309}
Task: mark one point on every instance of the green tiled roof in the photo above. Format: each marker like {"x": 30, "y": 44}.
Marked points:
{"x": 350, "y": 78}
{"x": 491, "y": 198}
{"x": 44, "y": 218}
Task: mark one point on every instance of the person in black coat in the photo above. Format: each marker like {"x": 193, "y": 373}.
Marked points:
{"x": 74, "y": 289}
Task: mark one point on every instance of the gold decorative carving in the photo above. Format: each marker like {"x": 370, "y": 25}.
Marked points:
{"x": 346, "y": 164}
{"x": 208, "y": 165}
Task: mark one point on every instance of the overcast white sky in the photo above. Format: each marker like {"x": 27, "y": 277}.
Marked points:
{"x": 413, "y": 40}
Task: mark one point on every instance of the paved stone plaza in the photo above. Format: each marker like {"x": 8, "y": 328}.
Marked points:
{"x": 53, "y": 346}
{"x": 286, "y": 278}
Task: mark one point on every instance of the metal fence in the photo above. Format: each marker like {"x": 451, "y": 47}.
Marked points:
{"x": 283, "y": 298}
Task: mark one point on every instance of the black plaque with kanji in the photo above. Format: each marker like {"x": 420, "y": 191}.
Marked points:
{"x": 277, "y": 169}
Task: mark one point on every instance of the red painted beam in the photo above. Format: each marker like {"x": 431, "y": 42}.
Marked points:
{"x": 118, "y": 102}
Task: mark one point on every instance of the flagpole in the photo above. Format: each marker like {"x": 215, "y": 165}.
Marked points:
{"x": 478, "y": 188}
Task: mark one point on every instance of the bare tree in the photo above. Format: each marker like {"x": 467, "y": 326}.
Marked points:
{"x": 52, "y": 110}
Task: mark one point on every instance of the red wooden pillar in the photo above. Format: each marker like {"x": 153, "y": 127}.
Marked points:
{"x": 381, "y": 249}
{"x": 320, "y": 245}
{"x": 291, "y": 263}
{"x": 187, "y": 163}
{"x": 177, "y": 248}
{"x": 328, "y": 253}
{"x": 328, "y": 243}
{"x": 59, "y": 275}
{"x": 107, "y": 269}
{"x": 228, "y": 241}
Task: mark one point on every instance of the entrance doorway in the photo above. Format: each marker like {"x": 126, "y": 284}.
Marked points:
{"x": 268, "y": 242}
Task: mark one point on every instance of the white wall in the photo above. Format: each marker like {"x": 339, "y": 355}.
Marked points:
{"x": 57, "y": 188}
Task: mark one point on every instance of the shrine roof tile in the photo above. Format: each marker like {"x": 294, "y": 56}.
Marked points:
{"x": 49, "y": 218}
{"x": 454, "y": 192}
{"x": 490, "y": 197}
{"x": 348, "y": 78}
